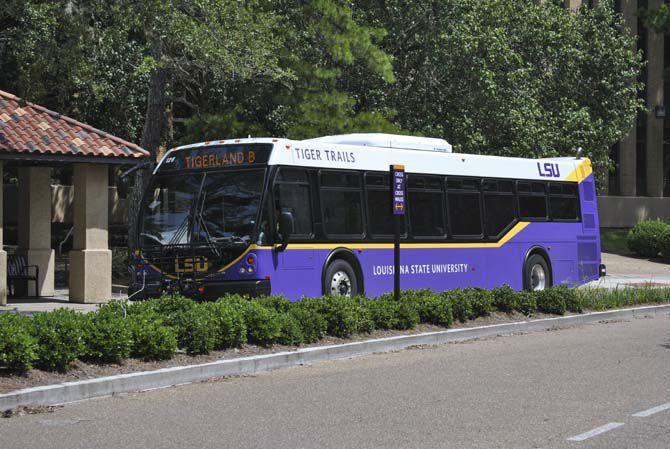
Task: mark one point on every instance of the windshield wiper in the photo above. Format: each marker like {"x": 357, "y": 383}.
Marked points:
{"x": 230, "y": 239}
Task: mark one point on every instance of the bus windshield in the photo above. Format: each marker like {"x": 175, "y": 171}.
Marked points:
{"x": 210, "y": 208}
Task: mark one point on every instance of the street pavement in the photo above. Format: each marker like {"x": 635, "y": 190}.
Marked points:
{"x": 572, "y": 388}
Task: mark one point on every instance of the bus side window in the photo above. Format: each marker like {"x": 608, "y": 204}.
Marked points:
{"x": 563, "y": 201}
{"x": 426, "y": 207}
{"x": 499, "y": 206}
{"x": 341, "y": 203}
{"x": 465, "y": 214}
{"x": 532, "y": 200}
{"x": 291, "y": 192}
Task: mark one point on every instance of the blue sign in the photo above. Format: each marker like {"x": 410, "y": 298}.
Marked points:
{"x": 398, "y": 189}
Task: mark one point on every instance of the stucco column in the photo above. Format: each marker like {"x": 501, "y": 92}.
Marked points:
{"x": 628, "y": 146}
{"x": 90, "y": 259}
{"x": 34, "y": 226}
{"x": 3, "y": 254}
{"x": 654, "y": 155}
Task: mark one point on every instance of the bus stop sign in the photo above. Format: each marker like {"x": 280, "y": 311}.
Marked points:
{"x": 398, "y": 189}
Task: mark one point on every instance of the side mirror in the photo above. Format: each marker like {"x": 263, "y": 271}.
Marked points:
{"x": 286, "y": 228}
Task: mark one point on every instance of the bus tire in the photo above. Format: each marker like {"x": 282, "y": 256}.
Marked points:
{"x": 340, "y": 279}
{"x": 536, "y": 273}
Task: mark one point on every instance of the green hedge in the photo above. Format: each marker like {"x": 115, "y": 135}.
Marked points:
{"x": 157, "y": 329}
{"x": 649, "y": 238}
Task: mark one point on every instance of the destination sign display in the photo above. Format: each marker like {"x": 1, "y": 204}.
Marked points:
{"x": 218, "y": 157}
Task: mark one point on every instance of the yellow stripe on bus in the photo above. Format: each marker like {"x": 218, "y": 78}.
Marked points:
{"x": 506, "y": 238}
{"x": 581, "y": 172}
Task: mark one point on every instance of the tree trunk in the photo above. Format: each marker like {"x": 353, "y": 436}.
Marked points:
{"x": 155, "y": 122}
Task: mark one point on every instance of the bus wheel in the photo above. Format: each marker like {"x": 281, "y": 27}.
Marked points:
{"x": 340, "y": 279}
{"x": 536, "y": 274}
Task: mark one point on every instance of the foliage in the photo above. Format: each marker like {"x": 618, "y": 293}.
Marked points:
{"x": 506, "y": 77}
{"x": 18, "y": 349}
{"x": 504, "y": 298}
{"x": 664, "y": 244}
{"x": 345, "y": 316}
{"x": 264, "y": 324}
{"x": 509, "y": 77}
{"x": 54, "y": 340}
{"x": 107, "y": 335}
{"x": 152, "y": 340}
{"x": 60, "y": 338}
{"x": 313, "y": 323}
{"x": 229, "y": 323}
{"x": 551, "y": 301}
{"x": 460, "y": 305}
{"x": 645, "y": 238}
{"x": 525, "y": 303}
{"x": 197, "y": 333}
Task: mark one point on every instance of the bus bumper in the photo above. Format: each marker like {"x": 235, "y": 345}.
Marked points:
{"x": 204, "y": 290}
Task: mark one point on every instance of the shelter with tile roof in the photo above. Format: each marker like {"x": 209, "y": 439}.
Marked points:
{"x": 36, "y": 139}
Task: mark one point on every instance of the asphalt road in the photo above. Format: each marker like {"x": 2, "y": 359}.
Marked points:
{"x": 540, "y": 390}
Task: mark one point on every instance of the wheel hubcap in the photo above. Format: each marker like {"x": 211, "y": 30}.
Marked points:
{"x": 340, "y": 284}
{"x": 538, "y": 278}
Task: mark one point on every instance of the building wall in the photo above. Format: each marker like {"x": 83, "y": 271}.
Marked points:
{"x": 62, "y": 200}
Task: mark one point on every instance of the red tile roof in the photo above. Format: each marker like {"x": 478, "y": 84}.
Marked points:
{"x": 29, "y": 128}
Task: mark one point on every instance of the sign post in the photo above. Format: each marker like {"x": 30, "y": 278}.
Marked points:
{"x": 398, "y": 206}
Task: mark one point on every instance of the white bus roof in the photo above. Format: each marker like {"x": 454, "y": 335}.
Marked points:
{"x": 377, "y": 152}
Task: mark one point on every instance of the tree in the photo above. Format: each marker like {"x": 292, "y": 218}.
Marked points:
{"x": 510, "y": 77}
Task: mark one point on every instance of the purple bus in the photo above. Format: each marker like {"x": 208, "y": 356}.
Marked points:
{"x": 313, "y": 217}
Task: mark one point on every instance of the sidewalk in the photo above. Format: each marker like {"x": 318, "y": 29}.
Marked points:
{"x": 28, "y": 306}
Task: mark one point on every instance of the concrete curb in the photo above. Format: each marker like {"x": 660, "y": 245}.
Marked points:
{"x": 166, "y": 377}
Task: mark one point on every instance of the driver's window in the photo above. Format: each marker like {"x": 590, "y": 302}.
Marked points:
{"x": 292, "y": 194}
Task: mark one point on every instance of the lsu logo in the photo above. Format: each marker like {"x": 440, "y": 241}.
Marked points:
{"x": 188, "y": 265}
{"x": 548, "y": 170}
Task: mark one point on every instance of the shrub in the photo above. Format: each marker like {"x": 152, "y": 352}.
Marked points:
{"x": 196, "y": 332}
{"x": 107, "y": 335}
{"x": 664, "y": 244}
{"x": 573, "y": 301}
{"x": 432, "y": 308}
{"x": 551, "y": 300}
{"x": 481, "y": 300}
{"x": 384, "y": 312}
{"x": 313, "y": 324}
{"x": 59, "y": 337}
{"x": 264, "y": 324}
{"x": 460, "y": 304}
{"x": 18, "y": 349}
{"x": 504, "y": 298}
{"x": 645, "y": 238}
{"x": 229, "y": 324}
{"x": 525, "y": 303}
{"x": 345, "y": 316}
{"x": 172, "y": 307}
{"x": 291, "y": 331}
{"x": 276, "y": 302}
{"x": 408, "y": 316}
{"x": 152, "y": 340}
